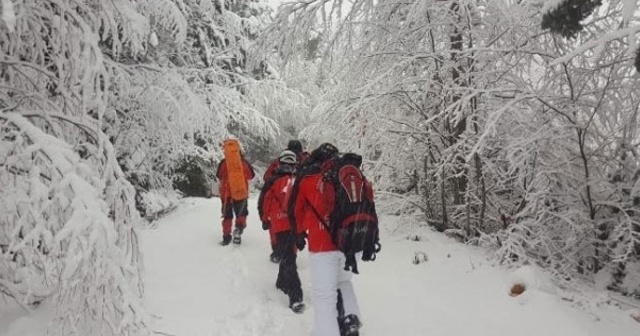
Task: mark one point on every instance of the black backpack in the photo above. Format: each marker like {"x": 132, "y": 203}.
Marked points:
{"x": 353, "y": 220}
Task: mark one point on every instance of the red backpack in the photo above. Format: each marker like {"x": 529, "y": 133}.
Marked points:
{"x": 353, "y": 220}
{"x": 283, "y": 194}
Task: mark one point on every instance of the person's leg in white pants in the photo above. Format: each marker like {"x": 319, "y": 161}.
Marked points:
{"x": 345, "y": 286}
{"x": 327, "y": 275}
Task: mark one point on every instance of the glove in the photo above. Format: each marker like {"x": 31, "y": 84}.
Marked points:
{"x": 301, "y": 242}
{"x": 266, "y": 225}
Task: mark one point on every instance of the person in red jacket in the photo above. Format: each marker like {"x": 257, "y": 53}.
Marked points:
{"x": 311, "y": 203}
{"x": 272, "y": 176}
{"x": 231, "y": 206}
{"x": 294, "y": 146}
{"x": 276, "y": 219}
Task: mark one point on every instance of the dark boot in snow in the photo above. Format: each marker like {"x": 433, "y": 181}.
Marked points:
{"x": 349, "y": 325}
{"x": 237, "y": 235}
{"x": 297, "y": 307}
{"x": 226, "y": 239}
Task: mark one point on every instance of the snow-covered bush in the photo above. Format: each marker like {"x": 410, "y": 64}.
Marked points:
{"x": 194, "y": 176}
{"x": 68, "y": 232}
{"x": 68, "y": 224}
{"x": 157, "y": 203}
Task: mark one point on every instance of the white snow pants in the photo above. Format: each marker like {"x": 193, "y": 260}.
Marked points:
{"x": 327, "y": 276}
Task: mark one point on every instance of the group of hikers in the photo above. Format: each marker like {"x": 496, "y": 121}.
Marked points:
{"x": 321, "y": 198}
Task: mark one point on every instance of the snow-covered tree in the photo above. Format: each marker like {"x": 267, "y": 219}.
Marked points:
{"x": 95, "y": 96}
{"x": 185, "y": 99}
{"x": 487, "y": 126}
{"x": 67, "y": 229}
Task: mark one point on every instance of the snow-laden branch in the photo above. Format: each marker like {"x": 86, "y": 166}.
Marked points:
{"x": 63, "y": 231}
{"x": 599, "y": 42}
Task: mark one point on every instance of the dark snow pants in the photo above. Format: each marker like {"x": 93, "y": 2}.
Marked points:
{"x": 288, "y": 280}
{"x": 231, "y": 207}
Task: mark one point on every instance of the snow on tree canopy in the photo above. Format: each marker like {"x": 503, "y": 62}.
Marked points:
{"x": 68, "y": 230}
{"x": 473, "y": 119}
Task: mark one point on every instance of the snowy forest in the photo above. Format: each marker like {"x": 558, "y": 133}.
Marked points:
{"x": 510, "y": 125}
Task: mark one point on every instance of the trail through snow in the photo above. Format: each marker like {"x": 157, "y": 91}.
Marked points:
{"x": 195, "y": 287}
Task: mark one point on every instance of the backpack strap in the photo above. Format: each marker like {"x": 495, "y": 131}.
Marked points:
{"x": 351, "y": 264}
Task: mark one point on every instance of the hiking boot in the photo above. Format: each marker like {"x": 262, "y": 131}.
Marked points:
{"x": 237, "y": 235}
{"x": 274, "y": 257}
{"x": 350, "y": 325}
{"x": 226, "y": 239}
{"x": 297, "y": 307}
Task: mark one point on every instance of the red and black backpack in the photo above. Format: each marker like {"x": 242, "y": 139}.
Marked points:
{"x": 353, "y": 220}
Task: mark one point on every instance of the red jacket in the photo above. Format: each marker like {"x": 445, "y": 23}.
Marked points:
{"x": 275, "y": 204}
{"x": 223, "y": 177}
{"x": 272, "y": 168}
{"x": 314, "y": 199}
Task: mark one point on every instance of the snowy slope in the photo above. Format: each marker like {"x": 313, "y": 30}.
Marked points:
{"x": 195, "y": 287}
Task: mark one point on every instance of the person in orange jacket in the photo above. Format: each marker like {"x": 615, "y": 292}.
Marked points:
{"x": 311, "y": 203}
{"x": 231, "y": 206}
{"x": 275, "y": 218}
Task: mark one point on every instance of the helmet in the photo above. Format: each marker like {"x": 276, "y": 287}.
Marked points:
{"x": 288, "y": 157}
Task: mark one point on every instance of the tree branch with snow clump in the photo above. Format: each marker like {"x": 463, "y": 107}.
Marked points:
{"x": 593, "y": 25}
{"x": 69, "y": 233}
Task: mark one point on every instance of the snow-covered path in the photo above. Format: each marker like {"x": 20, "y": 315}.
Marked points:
{"x": 196, "y": 287}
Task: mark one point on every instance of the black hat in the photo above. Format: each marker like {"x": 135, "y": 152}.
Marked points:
{"x": 323, "y": 153}
{"x": 295, "y": 146}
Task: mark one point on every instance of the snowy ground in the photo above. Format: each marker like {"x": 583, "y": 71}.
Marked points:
{"x": 195, "y": 287}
